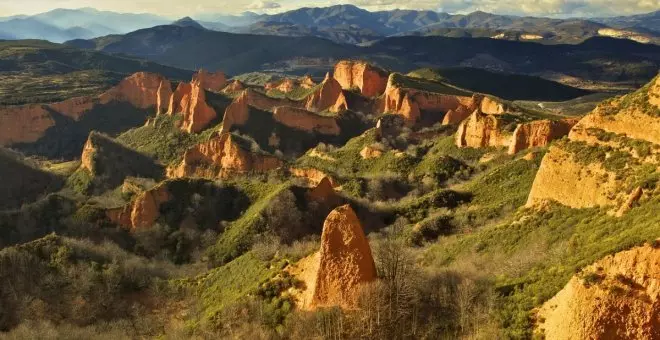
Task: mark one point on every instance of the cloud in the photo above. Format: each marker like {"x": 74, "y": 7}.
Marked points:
{"x": 264, "y": 5}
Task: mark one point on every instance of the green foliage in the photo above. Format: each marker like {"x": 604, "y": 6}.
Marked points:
{"x": 552, "y": 245}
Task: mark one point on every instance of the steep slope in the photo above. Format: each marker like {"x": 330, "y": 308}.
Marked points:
{"x": 616, "y": 297}
{"x": 610, "y": 155}
{"x": 23, "y": 183}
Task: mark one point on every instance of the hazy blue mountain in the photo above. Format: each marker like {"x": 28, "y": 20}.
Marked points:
{"x": 188, "y": 22}
{"x": 648, "y": 21}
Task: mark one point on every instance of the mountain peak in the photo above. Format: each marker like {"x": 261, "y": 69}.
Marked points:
{"x": 187, "y": 22}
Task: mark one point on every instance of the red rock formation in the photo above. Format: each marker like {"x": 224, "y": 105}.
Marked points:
{"x": 210, "y": 81}
{"x": 456, "y": 116}
{"x": 341, "y": 104}
{"x": 304, "y": 120}
{"x": 539, "y": 133}
{"x": 23, "y": 124}
{"x": 140, "y": 90}
{"x": 176, "y": 104}
{"x": 237, "y": 113}
{"x": 143, "y": 212}
{"x": 307, "y": 82}
{"x": 345, "y": 260}
{"x": 481, "y": 130}
{"x": 313, "y": 176}
{"x": 234, "y": 86}
{"x": 189, "y": 99}
{"x": 163, "y": 98}
{"x": 492, "y": 106}
{"x": 199, "y": 113}
{"x": 74, "y": 108}
{"x": 621, "y": 300}
{"x": 87, "y": 157}
{"x": 221, "y": 156}
{"x": 634, "y": 197}
{"x": 371, "y": 80}
{"x": 266, "y": 103}
{"x": 326, "y": 96}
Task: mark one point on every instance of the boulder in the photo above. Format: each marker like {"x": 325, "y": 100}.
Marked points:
{"x": 369, "y": 152}
{"x": 371, "y": 80}
{"x": 304, "y": 120}
{"x": 617, "y": 297}
{"x": 539, "y": 133}
{"x": 220, "y": 157}
{"x": 345, "y": 260}
{"x": 481, "y": 130}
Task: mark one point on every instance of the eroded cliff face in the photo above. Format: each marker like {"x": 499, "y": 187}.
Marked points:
{"x": 189, "y": 100}
{"x": 163, "y": 98}
{"x": 140, "y": 90}
{"x": 220, "y": 157}
{"x": 409, "y": 103}
{"x": 304, "y": 120}
{"x": 28, "y": 123}
{"x": 212, "y": 81}
{"x": 313, "y": 176}
{"x": 237, "y": 113}
{"x": 234, "y": 86}
{"x": 143, "y": 211}
{"x": 326, "y": 96}
{"x": 615, "y": 298}
{"x": 539, "y": 133}
{"x": 607, "y": 154}
{"x": 23, "y": 124}
{"x": 481, "y": 130}
{"x": 371, "y": 80}
{"x": 345, "y": 260}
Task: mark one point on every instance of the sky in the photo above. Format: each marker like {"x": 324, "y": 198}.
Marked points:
{"x": 179, "y": 8}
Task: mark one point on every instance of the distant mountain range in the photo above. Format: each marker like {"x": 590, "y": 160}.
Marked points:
{"x": 597, "y": 59}
{"x": 341, "y": 24}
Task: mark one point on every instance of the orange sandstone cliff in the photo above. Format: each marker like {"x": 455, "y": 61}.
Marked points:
{"x": 140, "y": 90}
{"x": 539, "y": 133}
{"x": 143, "y": 211}
{"x": 371, "y": 80}
{"x": 212, "y": 81}
{"x": 304, "y": 120}
{"x": 345, "y": 260}
{"x": 481, "y": 130}
{"x": 189, "y": 100}
{"x": 326, "y": 96}
{"x": 220, "y": 157}
{"x": 618, "y": 297}
{"x": 601, "y": 161}
{"x": 23, "y": 124}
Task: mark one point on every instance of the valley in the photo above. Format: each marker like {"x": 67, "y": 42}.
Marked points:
{"x": 179, "y": 182}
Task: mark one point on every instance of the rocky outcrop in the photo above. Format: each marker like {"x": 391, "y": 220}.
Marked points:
{"x": 143, "y": 211}
{"x": 266, "y": 103}
{"x": 371, "y": 80}
{"x": 324, "y": 193}
{"x": 28, "y": 123}
{"x": 492, "y": 106}
{"x": 140, "y": 90}
{"x": 370, "y": 152}
{"x": 313, "y": 176}
{"x": 220, "y": 157}
{"x": 287, "y": 85}
{"x": 23, "y": 124}
{"x": 237, "y": 113}
{"x": 345, "y": 260}
{"x": 189, "y": 100}
{"x": 617, "y": 297}
{"x": 304, "y": 120}
{"x": 326, "y": 96}
{"x": 409, "y": 102}
{"x": 539, "y": 133}
{"x": 212, "y": 81}
{"x": 307, "y": 82}
{"x": 163, "y": 98}
{"x": 481, "y": 130}
{"x": 234, "y": 86}
{"x": 602, "y": 160}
